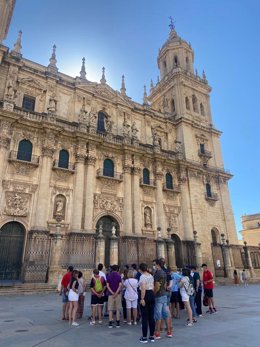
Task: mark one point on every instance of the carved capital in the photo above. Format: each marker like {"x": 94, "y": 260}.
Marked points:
{"x": 48, "y": 152}
{"x": 136, "y": 170}
{"x": 127, "y": 169}
{"x": 91, "y": 160}
{"x": 5, "y": 142}
{"x": 80, "y": 157}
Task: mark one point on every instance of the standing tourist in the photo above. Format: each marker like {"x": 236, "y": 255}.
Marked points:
{"x": 73, "y": 298}
{"x": 235, "y": 276}
{"x": 208, "y": 286}
{"x": 198, "y": 290}
{"x": 64, "y": 292}
{"x": 161, "y": 307}
{"x": 81, "y": 296}
{"x": 147, "y": 303}
{"x": 131, "y": 296}
{"x": 114, "y": 285}
{"x": 98, "y": 287}
{"x": 175, "y": 294}
{"x": 244, "y": 278}
{"x": 185, "y": 292}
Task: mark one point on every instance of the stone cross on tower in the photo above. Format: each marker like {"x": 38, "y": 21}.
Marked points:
{"x": 171, "y": 25}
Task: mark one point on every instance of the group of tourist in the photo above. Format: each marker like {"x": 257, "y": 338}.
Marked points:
{"x": 243, "y": 278}
{"x": 153, "y": 295}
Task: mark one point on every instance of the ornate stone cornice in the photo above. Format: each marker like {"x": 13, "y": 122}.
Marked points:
{"x": 48, "y": 152}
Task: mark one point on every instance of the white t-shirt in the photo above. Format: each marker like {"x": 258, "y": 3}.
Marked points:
{"x": 148, "y": 280}
{"x": 102, "y": 274}
{"x": 185, "y": 280}
{"x": 131, "y": 285}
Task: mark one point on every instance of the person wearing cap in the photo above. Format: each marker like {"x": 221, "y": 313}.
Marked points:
{"x": 64, "y": 292}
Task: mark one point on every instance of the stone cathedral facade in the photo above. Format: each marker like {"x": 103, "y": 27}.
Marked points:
{"x": 87, "y": 175}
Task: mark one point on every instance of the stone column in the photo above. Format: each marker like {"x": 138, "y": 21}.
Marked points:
{"x": 5, "y": 139}
{"x": 197, "y": 247}
{"x": 127, "y": 199}
{"x": 43, "y": 198}
{"x": 55, "y": 254}
{"x": 226, "y": 257}
{"x": 170, "y": 250}
{"x": 160, "y": 248}
{"x": 186, "y": 206}
{"x": 249, "y": 260}
{"x": 90, "y": 185}
{"x": 78, "y": 195}
{"x": 137, "y": 220}
{"x": 113, "y": 247}
{"x": 159, "y": 204}
{"x": 100, "y": 246}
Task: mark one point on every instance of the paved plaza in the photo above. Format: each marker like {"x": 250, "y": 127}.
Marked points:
{"x": 34, "y": 320}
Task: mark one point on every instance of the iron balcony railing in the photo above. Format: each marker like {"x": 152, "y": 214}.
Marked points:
{"x": 212, "y": 196}
{"x": 109, "y": 174}
{"x": 57, "y": 164}
{"x": 24, "y": 157}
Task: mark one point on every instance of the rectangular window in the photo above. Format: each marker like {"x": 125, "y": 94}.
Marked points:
{"x": 28, "y": 103}
{"x": 202, "y": 148}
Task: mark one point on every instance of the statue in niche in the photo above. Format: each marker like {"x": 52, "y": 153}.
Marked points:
{"x": 109, "y": 124}
{"x": 126, "y": 128}
{"x": 178, "y": 146}
{"x": 134, "y": 131}
{"x": 147, "y": 217}
{"x": 52, "y": 104}
{"x": 59, "y": 206}
{"x": 156, "y": 138}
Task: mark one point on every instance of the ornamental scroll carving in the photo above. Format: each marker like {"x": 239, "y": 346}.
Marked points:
{"x": 108, "y": 203}
{"x": 16, "y": 204}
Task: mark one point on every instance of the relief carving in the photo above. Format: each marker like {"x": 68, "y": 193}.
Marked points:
{"x": 16, "y": 204}
{"x": 108, "y": 203}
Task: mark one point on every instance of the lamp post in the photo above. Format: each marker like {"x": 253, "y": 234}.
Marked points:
{"x": 55, "y": 252}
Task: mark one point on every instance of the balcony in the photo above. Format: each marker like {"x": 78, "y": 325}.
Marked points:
{"x": 24, "y": 157}
{"x": 211, "y": 197}
{"x": 59, "y": 166}
{"x": 151, "y": 183}
{"x": 174, "y": 189}
{"x": 204, "y": 153}
{"x": 113, "y": 175}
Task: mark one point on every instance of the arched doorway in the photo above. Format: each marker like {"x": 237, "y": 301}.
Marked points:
{"x": 11, "y": 250}
{"x": 178, "y": 250}
{"x": 107, "y": 224}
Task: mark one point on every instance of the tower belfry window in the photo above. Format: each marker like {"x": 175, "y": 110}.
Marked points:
{"x": 176, "y": 61}
{"x": 195, "y": 103}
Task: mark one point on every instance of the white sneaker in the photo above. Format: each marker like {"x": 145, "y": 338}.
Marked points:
{"x": 75, "y": 324}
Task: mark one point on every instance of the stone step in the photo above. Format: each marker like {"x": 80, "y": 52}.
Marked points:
{"x": 26, "y": 288}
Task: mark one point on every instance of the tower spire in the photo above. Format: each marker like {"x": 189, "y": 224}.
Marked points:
{"x": 83, "y": 70}
{"x": 123, "y": 88}
{"x": 103, "y": 78}
{"x": 52, "y": 66}
{"x": 145, "y": 98}
{"x": 16, "y": 51}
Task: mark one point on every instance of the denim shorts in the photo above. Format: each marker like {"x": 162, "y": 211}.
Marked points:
{"x": 161, "y": 309}
{"x": 65, "y": 298}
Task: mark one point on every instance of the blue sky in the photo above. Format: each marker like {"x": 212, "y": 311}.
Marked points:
{"x": 124, "y": 36}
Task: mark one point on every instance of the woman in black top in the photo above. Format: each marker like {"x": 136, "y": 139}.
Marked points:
{"x": 73, "y": 298}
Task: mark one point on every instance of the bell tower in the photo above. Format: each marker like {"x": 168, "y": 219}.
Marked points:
{"x": 6, "y": 10}
{"x": 180, "y": 91}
